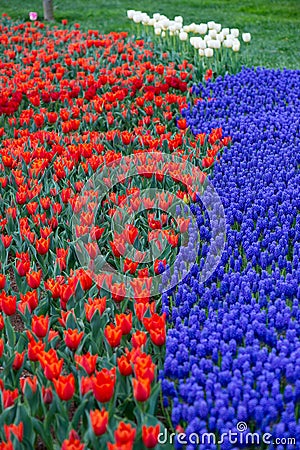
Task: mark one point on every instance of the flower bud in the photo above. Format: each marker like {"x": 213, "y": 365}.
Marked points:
{"x": 246, "y": 37}
{"x": 235, "y": 32}
{"x": 208, "y": 52}
{"x": 183, "y": 36}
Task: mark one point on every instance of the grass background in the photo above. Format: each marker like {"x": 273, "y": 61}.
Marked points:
{"x": 274, "y": 24}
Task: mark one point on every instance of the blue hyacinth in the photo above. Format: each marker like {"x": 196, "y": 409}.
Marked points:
{"x": 233, "y": 349}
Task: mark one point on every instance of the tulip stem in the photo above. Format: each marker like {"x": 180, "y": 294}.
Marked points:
{"x": 166, "y": 413}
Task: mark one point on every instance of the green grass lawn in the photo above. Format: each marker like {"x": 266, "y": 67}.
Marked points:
{"x": 274, "y": 24}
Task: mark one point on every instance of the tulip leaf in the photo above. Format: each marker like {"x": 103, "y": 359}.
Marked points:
{"x": 155, "y": 391}
{"x": 23, "y": 416}
{"x": 11, "y": 335}
{"x": 62, "y": 427}
{"x": 79, "y": 413}
{"x": 71, "y": 322}
{"x": 44, "y": 434}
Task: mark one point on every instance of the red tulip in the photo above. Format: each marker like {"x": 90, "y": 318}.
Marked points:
{"x": 6, "y": 240}
{"x": 28, "y": 381}
{"x": 138, "y": 339}
{"x": 103, "y": 385}
{"x": 9, "y": 397}
{"x": 34, "y": 279}
{"x": 40, "y": 325}
{"x": 1, "y": 347}
{"x": 87, "y": 361}
{"x": 42, "y": 246}
{"x": 53, "y": 370}
{"x": 8, "y": 304}
{"x": 73, "y": 338}
{"x": 85, "y": 279}
{"x": 35, "y": 349}
{"x": 47, "y": 395}
{"x": 124, "y": 365}
{"x": 18, "y": 361}
{"x": 65, "y": 386}
{"x": 99, "y": 421}
{"x": 113, "y": 335}
{"x": 124, "y": 434}
{"x": 124, "y": 321}
{"x": 141, "y": 389}
{"x": 16, "y": 430}
{"x": 73, "y": 443}
{"x": 23, "y": 266}
{"x": 2, "y": 280}
{"x": 150, "y": 435}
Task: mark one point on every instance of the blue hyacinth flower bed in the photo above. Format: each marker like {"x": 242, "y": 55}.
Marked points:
{"x": 233, "y": 346}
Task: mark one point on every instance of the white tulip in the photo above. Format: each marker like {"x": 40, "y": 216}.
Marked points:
{"x": 194, "y": 41}
{"x": 201, "y": 52}
{"x": 186, "y": 28}
{"x": 202, "y": 28}
{"x": 146, "y": 19}
{"x": 183, "y": 36}
{"x": 130, "y": 13}
{"x": 225, "y": 31}
{"x": 163, "y": 34}
{"x": 218, "y": 27}
{"x": 157, "y": 31}
{"x": 202, "y": 44}
{"x": 151, "y": 22}
{"x": 156, "y": 16}
{"x": 236, "y": 46}
{"x": 172, "y": 29}
{"x": 165, "y": 23}
{"x": 199, "y": 43}
{"x": 228, "y": 43}
{"x": 214, "y": 44}
{"x": 230, "y": 37}
{"x": 193, "y": 27}
{"x": 211, "y": 25}
{"x": 171, "y": 33}
{"x": 206, "y": 38}
{"x": 210, "y": 43}
{"x": 235, "y": 32}
{"x": 208, "y": 52}
{"x": 246, "y": 37}
{"x": 137, "y": 18}
{"x": 220, "y": 37}
{"x": 178, "y": 19}
{"x": 212, "y": 34}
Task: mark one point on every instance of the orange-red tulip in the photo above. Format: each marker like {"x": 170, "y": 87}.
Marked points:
{"x": 65, "y": 386}
{"x": 103, "y": 384}
{"x": 150, "y": 435}
{"x": 141, "y": 389}
{"x": 99, "y": 421}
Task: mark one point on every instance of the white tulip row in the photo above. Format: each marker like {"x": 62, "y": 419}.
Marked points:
{"x": 212, "y": 35}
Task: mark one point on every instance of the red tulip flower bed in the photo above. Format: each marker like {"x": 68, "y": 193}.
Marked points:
{"x": 79, "y": 357}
